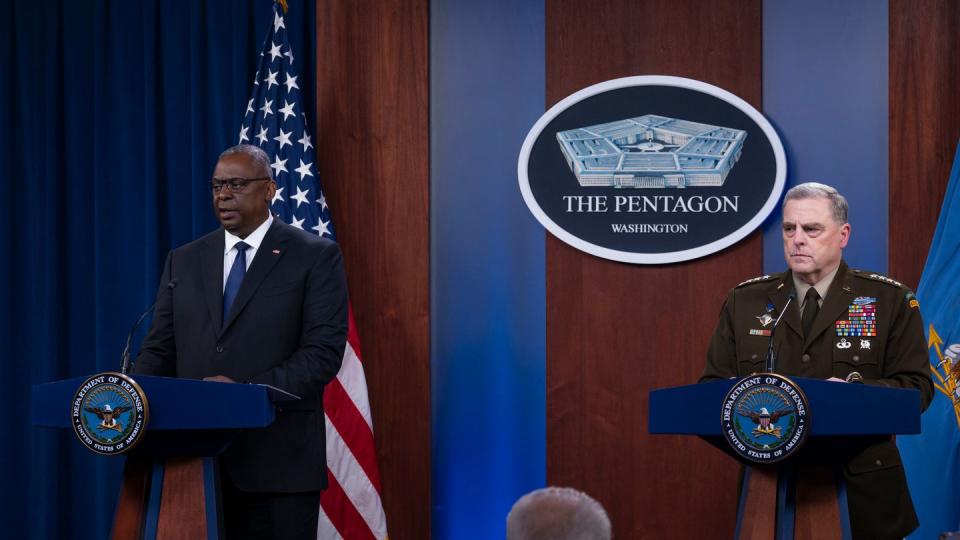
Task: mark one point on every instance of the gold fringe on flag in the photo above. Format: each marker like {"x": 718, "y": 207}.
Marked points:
{"x": 283, "y": 4}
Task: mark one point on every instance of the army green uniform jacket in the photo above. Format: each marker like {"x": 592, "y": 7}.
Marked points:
{"x": 869, "y": 324}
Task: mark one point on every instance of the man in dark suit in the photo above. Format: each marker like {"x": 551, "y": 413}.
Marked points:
{"x": 844, "y": 325}
{"x": 257, "y": 301}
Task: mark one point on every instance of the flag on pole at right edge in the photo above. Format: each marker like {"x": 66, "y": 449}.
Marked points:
{"x": 274, "y": 120}
{"x": 931, "y": 458}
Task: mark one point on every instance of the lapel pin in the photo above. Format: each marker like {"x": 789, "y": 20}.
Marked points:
{"x": 276, "y": 252}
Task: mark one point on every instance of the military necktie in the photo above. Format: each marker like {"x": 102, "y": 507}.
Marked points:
{"x": 235, "y": 278}
{"x": 811, "y": 307}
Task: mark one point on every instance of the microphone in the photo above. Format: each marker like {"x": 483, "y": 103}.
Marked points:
{"x": 125, "y": 356}
{"x": 770, "y": 356}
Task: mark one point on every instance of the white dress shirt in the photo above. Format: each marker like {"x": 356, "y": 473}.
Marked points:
{"x": 253, "y": 240}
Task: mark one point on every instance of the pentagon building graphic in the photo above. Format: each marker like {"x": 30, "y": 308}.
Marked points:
{"x": 651, "y": 151}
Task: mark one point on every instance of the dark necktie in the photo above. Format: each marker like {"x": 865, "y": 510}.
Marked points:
{"x": 235, "y": 278}
{"x": 811, "y": 307}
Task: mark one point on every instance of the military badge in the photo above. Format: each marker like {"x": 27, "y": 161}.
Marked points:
{"x": 765, "y": 319}
{"x": 861, "y": 318}
{"x": 759, "y": 332}
{"x": 912, "y": 300}
{"x": 765, "y": 418}
{"x": 109, "y": 413}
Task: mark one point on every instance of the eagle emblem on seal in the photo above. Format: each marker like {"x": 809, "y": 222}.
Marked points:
{"x": 108, "y": 416}
{"x": 765, "y": 420}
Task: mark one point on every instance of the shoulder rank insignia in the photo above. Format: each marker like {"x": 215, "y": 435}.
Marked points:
{"x": 878, "y": 277}
{"x": 758, "y": 279}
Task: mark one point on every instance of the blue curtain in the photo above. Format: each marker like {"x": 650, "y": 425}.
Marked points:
{"x": 112, "y": 115}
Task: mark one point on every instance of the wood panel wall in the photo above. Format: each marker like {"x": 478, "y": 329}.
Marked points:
{"x": 616, "y": 331}
{"x": 924, "y": 125}
{"x": 373, "y": 158}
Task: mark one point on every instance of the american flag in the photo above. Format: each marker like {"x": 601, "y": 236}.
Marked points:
{"x": 350, "y": 507}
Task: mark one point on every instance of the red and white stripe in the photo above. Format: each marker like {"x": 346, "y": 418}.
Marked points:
{"x": 350, "y": 507}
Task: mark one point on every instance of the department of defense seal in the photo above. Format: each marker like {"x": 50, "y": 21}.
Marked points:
{"x": 765, "y": 418}
{"x": 109, "y": 413}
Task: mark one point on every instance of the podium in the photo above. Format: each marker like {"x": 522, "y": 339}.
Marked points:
{"x": 775, "y": 501}
{"x": 170, "y": 479}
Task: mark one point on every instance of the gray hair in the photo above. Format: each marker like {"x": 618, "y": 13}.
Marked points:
{"x": 255, "y": 153}
{"x": 816, "y": 190}
{"x": 557, "y": 513}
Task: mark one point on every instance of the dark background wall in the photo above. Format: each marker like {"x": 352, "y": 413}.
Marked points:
{"x": 372, "y": 111}
{"x": 824, "y": 71}
{"x": 467, "y": 310}
{"x": 924, "y": 125}
{"x": 616, "y": 331}
{"x": 611, "y": 331}
{"x": 487, "y": 264}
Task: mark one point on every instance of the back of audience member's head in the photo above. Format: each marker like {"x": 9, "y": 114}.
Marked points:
{"x": 557, "y": 513}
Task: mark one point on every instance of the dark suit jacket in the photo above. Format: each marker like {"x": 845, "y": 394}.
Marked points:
{"x": 879, "y": 503}
{"x": 287, "y": 328}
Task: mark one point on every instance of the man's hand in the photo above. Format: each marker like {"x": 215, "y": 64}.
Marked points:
{"x": 835, "y": 379}
{"x": 219, "y": 378}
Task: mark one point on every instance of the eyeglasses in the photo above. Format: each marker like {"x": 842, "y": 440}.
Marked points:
{"x": 236, "y": 185}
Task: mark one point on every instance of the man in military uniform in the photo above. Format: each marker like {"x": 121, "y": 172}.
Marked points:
{"x": 842, "y": 325}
